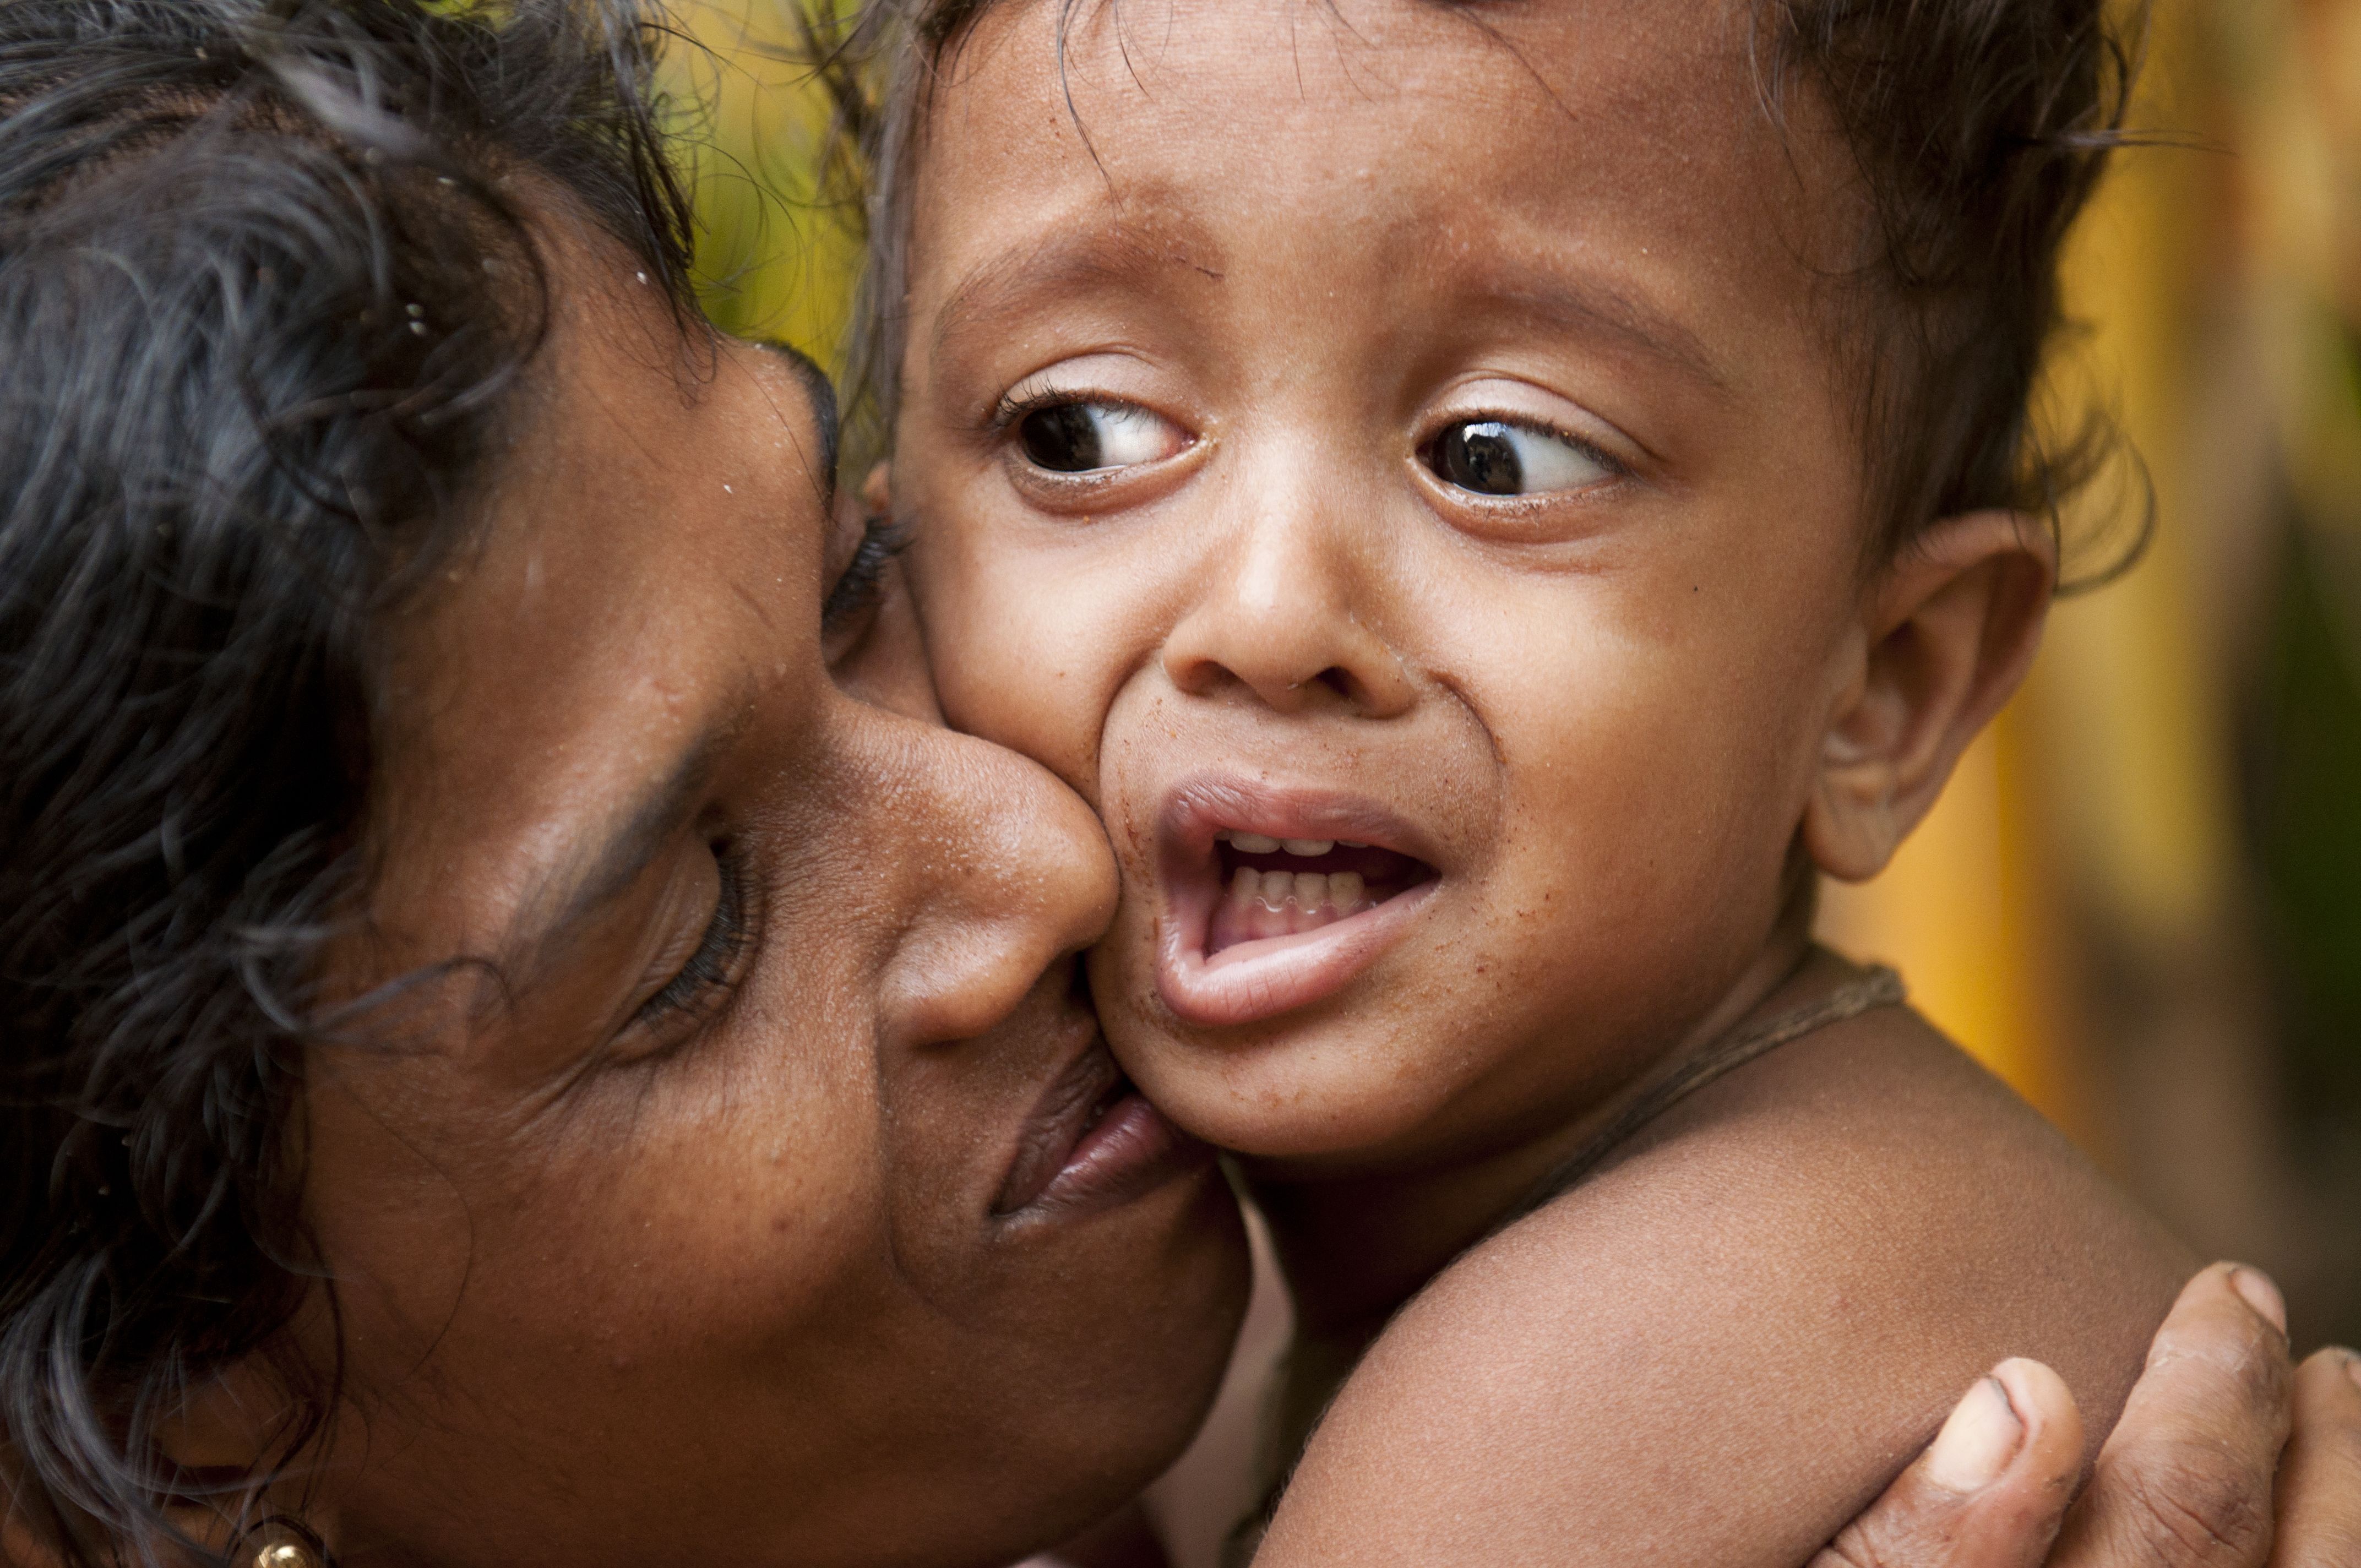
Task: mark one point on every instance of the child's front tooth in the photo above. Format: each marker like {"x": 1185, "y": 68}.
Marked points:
{"x": 1308, "y": 848}
{"x": 1345, "y": 891}
{"x": 1311, "y": 891}
{"x": 1243, "y": 886}
{"x": 1252, "y": 844}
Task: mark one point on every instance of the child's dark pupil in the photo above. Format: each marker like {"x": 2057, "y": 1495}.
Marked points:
{"x": 1063, "y": 438}
{"x": 1481, "y": 457}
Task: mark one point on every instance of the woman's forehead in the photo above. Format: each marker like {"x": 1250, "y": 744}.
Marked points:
{"x": 649, "y": 574}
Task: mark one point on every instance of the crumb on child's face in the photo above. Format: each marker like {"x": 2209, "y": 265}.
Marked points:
{"x": 1394, "y": 468}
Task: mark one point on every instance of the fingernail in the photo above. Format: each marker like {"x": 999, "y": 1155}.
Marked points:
{"x": 1976, "y": 1445}
{"x": 2261, "y": 1294}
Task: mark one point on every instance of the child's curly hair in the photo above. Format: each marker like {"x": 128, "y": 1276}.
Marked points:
{"x": 1977, "y": 130}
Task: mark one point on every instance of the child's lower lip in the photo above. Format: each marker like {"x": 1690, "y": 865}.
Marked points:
{"x": 1246, "y": 981}
{"x": 1277, "y": 895}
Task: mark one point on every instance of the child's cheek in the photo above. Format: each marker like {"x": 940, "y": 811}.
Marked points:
{"x": 1004, "y": 647}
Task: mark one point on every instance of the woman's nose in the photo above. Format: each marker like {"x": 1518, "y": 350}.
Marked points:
{"x": 1002, "y": 871}
{"x": 1277, "y": 619}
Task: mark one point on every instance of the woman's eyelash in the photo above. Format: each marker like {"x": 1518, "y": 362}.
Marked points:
{"x": 714, "y": 965}
{"x": 856, "y": 588}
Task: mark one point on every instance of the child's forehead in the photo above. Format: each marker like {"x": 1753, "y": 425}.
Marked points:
{"x": 1414, "y": 133}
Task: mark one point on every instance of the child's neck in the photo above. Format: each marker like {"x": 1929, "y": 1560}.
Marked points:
{"x": 1355, "y": 1248}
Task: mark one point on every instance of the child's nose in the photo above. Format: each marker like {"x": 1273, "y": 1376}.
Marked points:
{"x": 1278, "y": 619}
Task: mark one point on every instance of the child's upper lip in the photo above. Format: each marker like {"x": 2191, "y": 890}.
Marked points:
{"x": 1212, "y": 802}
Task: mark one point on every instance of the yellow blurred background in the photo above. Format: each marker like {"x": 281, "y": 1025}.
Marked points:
{"x": 2140, "y": 899}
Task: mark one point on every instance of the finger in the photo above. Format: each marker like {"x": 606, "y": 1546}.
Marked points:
{"x": 2185, "y": 1479}
{"x": 1991, "y": 1490}
{"x": 2320, "y": 1478}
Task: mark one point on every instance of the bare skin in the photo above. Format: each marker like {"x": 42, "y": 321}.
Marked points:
{"x": 628, "y": 1265}
{"x": 2217, "y": 1420}
{"x": 945, "y": 1425}
{"x": 1994, "y": 1490}
{"x": 1196, "y": 316}
{"x": 778, "y": 1271}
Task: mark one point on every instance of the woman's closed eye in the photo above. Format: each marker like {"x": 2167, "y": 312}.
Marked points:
{"x": 1079, "y": 435}
{"x": 1496, "y": 457}
{"x": 705, "y": 978}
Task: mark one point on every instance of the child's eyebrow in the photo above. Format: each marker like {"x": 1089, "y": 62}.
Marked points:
{"x": 1586, "y": 304}
{"x": 1063, "y": 264}
{"x": 1537, "y": 289}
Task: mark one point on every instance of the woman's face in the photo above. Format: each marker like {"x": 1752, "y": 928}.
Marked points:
{"x": 743, "y": 1186}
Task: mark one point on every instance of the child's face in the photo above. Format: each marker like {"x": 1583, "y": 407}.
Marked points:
{"x": 1383, "y": 424}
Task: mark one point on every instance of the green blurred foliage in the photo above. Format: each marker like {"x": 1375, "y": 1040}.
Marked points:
{"x": 2303, "y": 802}
{"x": 779, "y": 248}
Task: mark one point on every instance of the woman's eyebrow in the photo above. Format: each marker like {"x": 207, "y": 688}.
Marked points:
{"x": 578, "y": 888}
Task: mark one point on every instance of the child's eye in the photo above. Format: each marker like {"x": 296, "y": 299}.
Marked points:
{"x": 1493, "y": 458}
{"x": 1081, "y": 437}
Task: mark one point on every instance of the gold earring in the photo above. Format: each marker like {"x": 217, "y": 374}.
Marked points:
{"x": 281, "y": 1542}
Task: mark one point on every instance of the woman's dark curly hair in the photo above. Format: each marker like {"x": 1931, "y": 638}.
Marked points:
{"x": 1977, "y": 129}
{"x": 265, "y": 285}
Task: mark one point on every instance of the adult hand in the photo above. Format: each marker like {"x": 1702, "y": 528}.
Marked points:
{"x": 2191, "y": 1477}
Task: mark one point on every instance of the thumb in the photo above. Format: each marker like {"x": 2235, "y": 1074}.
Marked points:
{"x": 1989, "y": 1492}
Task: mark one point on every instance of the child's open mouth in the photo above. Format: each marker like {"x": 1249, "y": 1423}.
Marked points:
{"x": 1274, "y": 899}
{"x": 1284, "y": 887}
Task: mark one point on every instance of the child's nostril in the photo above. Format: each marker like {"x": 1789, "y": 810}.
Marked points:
{"x": 1336, "y": 679}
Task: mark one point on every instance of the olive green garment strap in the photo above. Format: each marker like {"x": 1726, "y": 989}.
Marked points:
{"x": 1880, "y": 987}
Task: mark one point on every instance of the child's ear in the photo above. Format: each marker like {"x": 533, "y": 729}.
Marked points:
{"x": 1948, "y": 631}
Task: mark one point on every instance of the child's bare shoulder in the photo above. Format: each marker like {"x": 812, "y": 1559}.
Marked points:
{"x": 1720, "y": 1348}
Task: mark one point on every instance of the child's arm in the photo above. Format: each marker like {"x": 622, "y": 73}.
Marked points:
{"x": 1720, "y": 1350}
{"x": 2217, "y": 1422}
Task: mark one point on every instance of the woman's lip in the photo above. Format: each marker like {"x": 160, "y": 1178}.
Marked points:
{"x": 1253, "y": 980}
{"x": 1092, "y": 1142}
{"x": 1130, "y": 1151}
